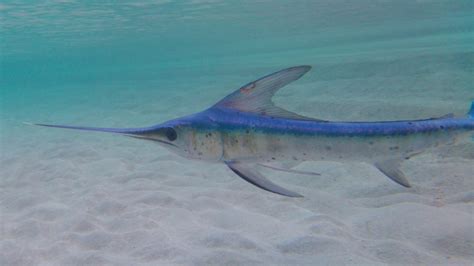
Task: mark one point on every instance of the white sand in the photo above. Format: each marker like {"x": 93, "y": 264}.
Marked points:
{"x": 110, "y": 200}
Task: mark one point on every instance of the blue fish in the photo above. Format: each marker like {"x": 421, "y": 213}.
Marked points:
{"x": 246, "y": 131}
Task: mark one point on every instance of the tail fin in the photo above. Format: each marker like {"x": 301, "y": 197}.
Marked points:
{"x": 471, "y": 111}
{"x": 99, "y": 129}
{"x": 471, "y": 115}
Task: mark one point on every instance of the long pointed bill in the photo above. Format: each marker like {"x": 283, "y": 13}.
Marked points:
{"x": 154, "y": 133}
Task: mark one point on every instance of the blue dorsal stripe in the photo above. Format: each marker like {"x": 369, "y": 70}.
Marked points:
{"x": 471, "y": 111}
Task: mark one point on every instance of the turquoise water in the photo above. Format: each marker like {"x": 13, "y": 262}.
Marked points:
{"x": 138, "y": 63}
{"x": 56, "y": 51}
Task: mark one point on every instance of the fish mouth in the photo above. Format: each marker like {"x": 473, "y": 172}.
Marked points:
{"x": 164, "y": 142}
{"x": 152, "y": 139}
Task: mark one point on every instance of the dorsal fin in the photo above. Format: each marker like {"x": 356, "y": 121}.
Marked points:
{"x": 256, "y": 96}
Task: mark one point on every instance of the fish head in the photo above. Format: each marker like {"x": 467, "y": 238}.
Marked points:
{"x": 188, "y": 139}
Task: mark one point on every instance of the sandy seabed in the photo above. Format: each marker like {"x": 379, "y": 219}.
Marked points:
{"x": 99, "y": 199}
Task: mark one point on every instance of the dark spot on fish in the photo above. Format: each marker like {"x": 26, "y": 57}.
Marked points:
{"x": 407, "y": 158}
{"x": 328, "y": 148}
{"x": 410, "y": 123}
{"x": 394, "y": 148}
{"x": 304, "y": 154}
{"x": 247, "y": 131}
{"x": 340, "y": 156}
{"x": 199, "y": 153}
{"x": 442, "y": 127}
{"x": 322, "y": 157}
{"x": 371, "y": 142}
{"x": 273, "y": 158}
{"x": 294, "y": 158}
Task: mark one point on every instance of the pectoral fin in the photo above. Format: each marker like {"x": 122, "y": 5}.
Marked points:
{"x": 391, "y": 168}
{"x": 288, "y": 170}
{"x": 250, "y": 174}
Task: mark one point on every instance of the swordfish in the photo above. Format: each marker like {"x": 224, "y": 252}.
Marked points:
{"x": 247, "y": 131}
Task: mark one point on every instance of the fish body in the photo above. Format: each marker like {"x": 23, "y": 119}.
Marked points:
{"x": 245, "y": 130}
{"x": 250, "y": 137}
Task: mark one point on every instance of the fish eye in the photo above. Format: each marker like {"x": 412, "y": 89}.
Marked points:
{"x": 171, "y": 134}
